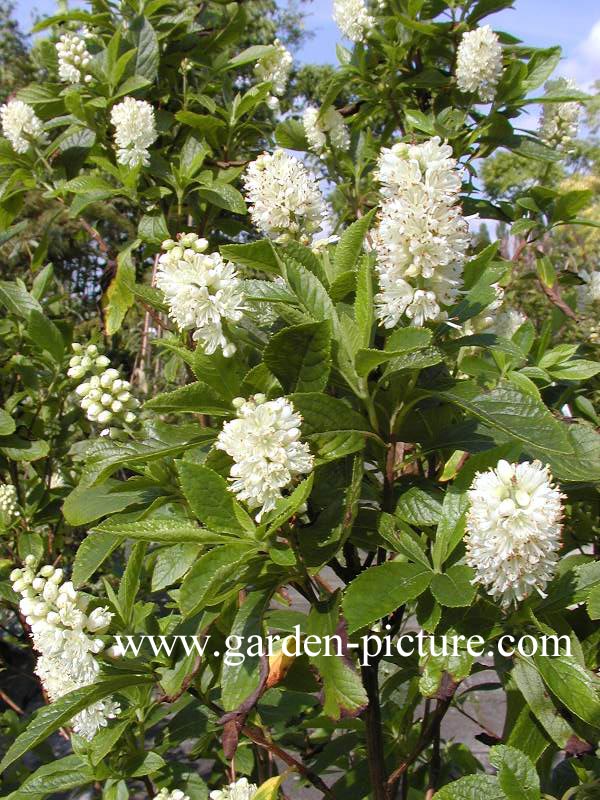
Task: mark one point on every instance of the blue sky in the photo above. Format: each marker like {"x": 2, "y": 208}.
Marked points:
{"x": 574, "y": 24}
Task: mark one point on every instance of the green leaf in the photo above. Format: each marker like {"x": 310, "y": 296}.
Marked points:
{"x": 269, "y": 790}
{"x": 541, "y": 65}
{"x": 545, "y": 271}
{"x": 593, "y": 603}
{"x": 86, "y": 504}
{"x": 16, "y": 298}
{"x": 579, "y": 369}
{"x": 349, "y": 248}
{"x": 300, "y": 356}
{"x": 223, "y": 195}
{"x": 531, "y": 686}
{"x": 7, "y": 423}
{"x": 363, "y": 304}
{"x": 172, "y": 563}
{"x": 473, "y": 787}
{"x": 131, "y": 580}
{"x": 572, "y": 587}
{"x": 145, "y": 40}
{"x": 454, "y": 588}
{"x": 205, "y": 124}
{"x": 105, "y": 739}
{"x": 577, "y": 688}
{"x": 516, "y": 773}
{"x": 344, "y": 693}
{"x": 249, "y": 55}
{"x": 288, "y": 506}
{"x": 239, "y": 681}
{"x": 56, "y": 777}
{"x": 210, "y": 499}
{"x": 152, "y": 228}
{"x": 402, "y": 340}
{"x": 52, "y": 717}
{"x": 255, "y": 255}
{"x": 118, "y": 298}
{"x": 364, "y": 602}
{"x": 169, "y": 531}
{"x": 290, "y": 134}
{"x": 515, "y": 413}
{"x": 420, "y": 507}
{"x": 46, "y": 335}
{"x": 206, "y": 579}
{"x": 18, "y": 449}
{"x": 91, "y": 554}
{"x": 322, "y": 413}
{"x": 196, "y": 398}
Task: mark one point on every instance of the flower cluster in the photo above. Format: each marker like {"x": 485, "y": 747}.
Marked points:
{"x": 240, "y": 790}
{"x": 353, "y": 19}
{"x": 203, "y": 291}
{"x": 65, "y": 636}
{"x": 73, "y": 59}
{"x": 275, "y": 67}
{"x": 107, "y": 401}
{"x": 285, "y": 200}
{"x": 479, "y": 63}
{"x": 513, "y": 529}
{"x": 264, "y": 442}
{"x": 8, "y": 501}
{"x": 588, "y": 293}
{"x": 331, "y": 125}
{"x": 20, "y": 125}
{"x": 176, "y": 794}
{"x": 421, "y": 238}
{"x": 86, "y": 359}
{"x": 559, "y": 122}
{"x": 135, "y": 131}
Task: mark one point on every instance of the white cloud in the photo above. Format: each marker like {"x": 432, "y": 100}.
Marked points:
{"x": 584, "y": 64}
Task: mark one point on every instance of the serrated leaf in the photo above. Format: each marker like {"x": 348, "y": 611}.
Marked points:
{"x": 454, "y": 588}
{"x": 223, "y": 195}
{"x": 7, "y": 423}
{"x": 170, "y": 531}
{"x": 364, "y": 602}
{"x": 207, "y": 577}
{"x": 118, "y": 298}
{"x": 56, "y": 777}
{"x": 322, "y": 413}
{"x": 255, "y": 255}
{"x": 50, "y": 718}
{"x": 239, "y": 681}
{"x": 576, "y": 687}
{"x": 344, "y": 693}
{"x": 91, "y": 554}
{"x": 516, "y": 773}
{"x": 147, "y": 55}
{"x": 419, "y": 506}
{"x": 349, "y": 248}
{"x": 300, "y": 356}
{"x": 211, "y": 500}
{"x": 473, "y": 787}
{"x": 290, "y": 134}
{"x": 195, "y": 398}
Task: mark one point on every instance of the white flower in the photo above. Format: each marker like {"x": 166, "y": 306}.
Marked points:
{"x": 60, "y": 629}
{"x": 107, "y": 401}
{"x": 176, "y": 794}
{"x": 203, "y": 291}
{"x": 8, "y": 501}
{"x": 275, "y": 67}
{"x": 73, "y": 59}
{"x": 86, "y": 360}
{"x": 479, "y": 63}
{"x": 421, "y": 238}
{"x": 264, "y": 442}
{"x": 588, "y": 294}
{"x": 559, "y": 122}
{"x": 513, "y": 529}
{"x": 507, "y": 322}
{"x": 240, "y": 790}
{"x": 353, "y": 19}
{"x": 20, "y": 125}
{"x": 331, "y": 125}
{"x": 135, "y": 131}
{"x": 285, "y": 200}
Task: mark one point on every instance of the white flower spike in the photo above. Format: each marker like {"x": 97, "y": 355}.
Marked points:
{"x": 135, "y": 131}
{"x": 240, "y": 790}
{"x": 203, "y": 291}
{"x": 21, "y": 125}
{"x": 479, "y": 63}
{"x": 73, "y": 59}
{"x": 353, "y": 19}
{"x": 331, "y": 127}
{"x": 264, "y": 443}
{"x": 513, "y": 529}
{"x": 421, "y": 239}
{"x": 285, "y": 200}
